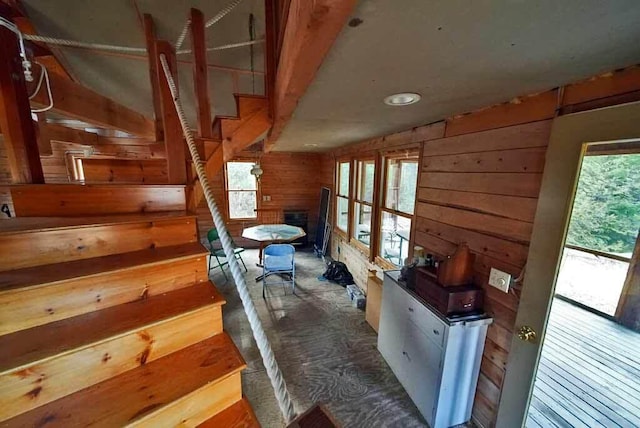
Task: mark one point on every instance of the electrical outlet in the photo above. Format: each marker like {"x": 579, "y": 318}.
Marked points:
{"x": 500, "y": 280}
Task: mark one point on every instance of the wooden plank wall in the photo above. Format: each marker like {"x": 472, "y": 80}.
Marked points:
{"x": 292, "y": 180}
{"x": 479, "y": 183}
{"x": 481, "y": 188}
{"x": 125, "y": 171}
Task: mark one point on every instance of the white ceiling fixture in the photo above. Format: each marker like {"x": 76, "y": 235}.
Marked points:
{"x": 402, "y": 99}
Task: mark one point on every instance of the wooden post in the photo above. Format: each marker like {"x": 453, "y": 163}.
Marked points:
{"x": 270, "y": 55}
{"x": 150, "y": 36}
{"x": 173, "y": 138}
{"x": 43, "y": 136}
{"x": 628, "y": 311}
{"x": 200, "y": 74}
{"x": 15, "y": 114}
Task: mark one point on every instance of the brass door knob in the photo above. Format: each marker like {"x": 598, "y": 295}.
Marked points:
{"x": 527, "y": 334}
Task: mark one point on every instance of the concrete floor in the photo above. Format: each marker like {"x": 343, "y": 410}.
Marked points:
{"x": 325, "y": 349}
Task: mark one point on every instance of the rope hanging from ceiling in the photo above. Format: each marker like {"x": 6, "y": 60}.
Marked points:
{"x": 268, "y": 358}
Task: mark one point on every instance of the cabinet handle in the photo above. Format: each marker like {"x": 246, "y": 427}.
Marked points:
{"x": 436, "y": 332}
{"x": 410, "y": 309}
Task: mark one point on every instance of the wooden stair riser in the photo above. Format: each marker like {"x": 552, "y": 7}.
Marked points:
{"x": 37, "y": 305}
{"x": 249, "y": 104}
{"x": 33, "y": 385}
{"x": 193, "y": 409}
{"x": 239, "y": 415}
{"x": 137, "y": 394}
{"x": 61, "y": 200}
{"x": 26, "y": 249}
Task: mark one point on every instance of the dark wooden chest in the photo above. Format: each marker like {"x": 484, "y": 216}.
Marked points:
{"x": 462, "y": 299}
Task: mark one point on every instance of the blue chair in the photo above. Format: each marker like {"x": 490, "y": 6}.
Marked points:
{"x": 217, "y": 253}
{"x": 278, "y": 259}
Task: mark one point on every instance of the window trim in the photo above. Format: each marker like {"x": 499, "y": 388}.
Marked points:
{"x": 347, "y": 233}
{"x": 410, "y": 153}
{"x": 366, "y": 249}
{"x": 227, "y": 190}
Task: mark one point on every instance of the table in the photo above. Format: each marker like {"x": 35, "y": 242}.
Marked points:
{"x": 267, "y": 234}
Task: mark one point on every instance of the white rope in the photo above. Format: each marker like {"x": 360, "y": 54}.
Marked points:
{"x": 106, "y": 47}
{"x": 86, "y": 45}
{"x": 270, "y": 363}
{"x": 183, "y": 34}
{"x": 223, "y": 47}
{"x": 44, "y": 75}
{"x": 228, "y": 8}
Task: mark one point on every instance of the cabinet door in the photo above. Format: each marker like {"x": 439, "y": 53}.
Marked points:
{"x": 393, "y": 321}
{"x": 423, "y": 358}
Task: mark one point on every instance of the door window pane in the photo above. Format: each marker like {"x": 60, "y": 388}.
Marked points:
{"x": 342, "y": 213}
{"x": 362, "y": 223}
{"x": 394, "y": 238}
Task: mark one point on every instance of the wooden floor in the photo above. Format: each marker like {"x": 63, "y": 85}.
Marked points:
{"x": 589, "y": 374}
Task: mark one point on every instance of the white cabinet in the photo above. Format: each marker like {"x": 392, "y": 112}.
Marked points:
{"x": 436, "y": 359}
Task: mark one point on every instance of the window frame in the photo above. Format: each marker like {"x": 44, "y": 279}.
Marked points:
{"x": 227, "y": 190}
{"x": 338, "y": 196}
{"x": 415, "y": 153}
{"x": 358, "y": 183}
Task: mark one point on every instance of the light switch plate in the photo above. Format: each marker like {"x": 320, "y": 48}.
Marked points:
{"x": 500, "y": 280}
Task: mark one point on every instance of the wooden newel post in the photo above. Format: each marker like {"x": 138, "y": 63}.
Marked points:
{"x": 173, "y": 137}
{"x": 15, "y": 114}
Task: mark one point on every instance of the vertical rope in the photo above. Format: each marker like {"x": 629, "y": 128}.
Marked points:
{"x": 270, "y": 363}
{"x": 183, "y": 34}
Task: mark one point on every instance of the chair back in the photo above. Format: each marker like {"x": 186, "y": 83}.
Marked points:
{"x": 270, "y": 215}
{"x": 279, "y": 256}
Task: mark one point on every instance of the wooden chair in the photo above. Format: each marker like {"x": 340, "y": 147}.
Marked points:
{"x": 270, "y": 215}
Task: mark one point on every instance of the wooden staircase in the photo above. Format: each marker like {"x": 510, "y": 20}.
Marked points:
{"x": 111, "y": 321}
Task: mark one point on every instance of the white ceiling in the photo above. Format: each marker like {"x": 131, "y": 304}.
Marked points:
{"x": 127, "y": 80}
{"x": 460, "y": 55}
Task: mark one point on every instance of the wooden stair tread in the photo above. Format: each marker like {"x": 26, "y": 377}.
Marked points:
{"x": 37, "y": 343}
{"x": 39, "y": 224}
{"x": 138, "y": 392}
{"x": 239, "y": 415}
{"x": 48, "y": 274}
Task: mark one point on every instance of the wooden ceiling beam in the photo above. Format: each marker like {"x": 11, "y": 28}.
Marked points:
{"x": 311, "y": 29}
{"x": 200, "y": 75}
{"x": 75, "y": 101}
{"x": 15, "y": 114}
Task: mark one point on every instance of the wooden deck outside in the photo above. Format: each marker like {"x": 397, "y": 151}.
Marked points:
{"x": 589, "y": 373}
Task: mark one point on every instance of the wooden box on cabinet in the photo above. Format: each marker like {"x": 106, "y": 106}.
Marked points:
{"x": 374, "y": 300}
{"x": 436, "y": 359}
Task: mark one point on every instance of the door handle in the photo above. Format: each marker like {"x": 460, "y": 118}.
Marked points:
{"x": 406, "y": 355}
{"x": 527, "y": 334}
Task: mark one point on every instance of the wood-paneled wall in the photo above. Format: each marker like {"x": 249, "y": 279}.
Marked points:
{"x": 125, "y": 171}
{"x": 481, "y": 189}
{"x": 479, "y": 182}
{"x": 291, "y": 180}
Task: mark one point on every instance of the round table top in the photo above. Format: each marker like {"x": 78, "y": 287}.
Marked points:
{"x": 273, "y": 232}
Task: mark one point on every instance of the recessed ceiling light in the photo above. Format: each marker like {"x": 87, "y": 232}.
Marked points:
{"x": 403, "y": 99}
{"x": 311, "y": 145}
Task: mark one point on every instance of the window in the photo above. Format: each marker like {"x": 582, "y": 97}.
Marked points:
{"x": 400, "y": 183}
{"x": 241, "y": 190}
{"x": 363, "y": 205}
{"x": 342, "y": 195}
